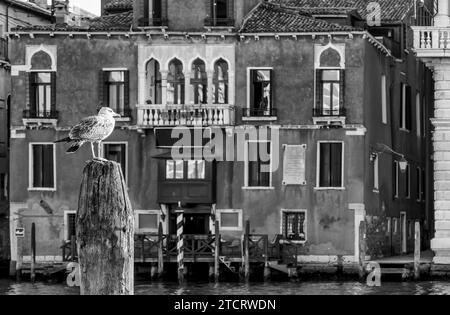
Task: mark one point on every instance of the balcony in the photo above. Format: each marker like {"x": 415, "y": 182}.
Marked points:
{"x": 185, "y": 115}
{"x": 431, "y": 41}
{"x": 32, "y": 118}
{"x": 153, "y": 22}
{"x": 256, "y": 114}
{"x": 329, "y": 116}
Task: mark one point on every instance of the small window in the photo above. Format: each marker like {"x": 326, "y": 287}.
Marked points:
{"x": 174, "y": 169}
{"x": 117, "y": 152}
{"x": 294, "y": 225}
{"x": 175, "y": 83}
{"x": 221, "y": 13}
{"x": 408, "y": 182}
{"x": 199, "y": 82}
{"x": 259, "y": 167}
{"x": 330, "y": 93}
{"x": 230, "y": 220}
{"x": 147, "y": 221}
{"x": 220, "y": 82}
{"x": 384, "y": 112}
{"x": 395, "y": 179}
{"x": 261, "y": 98}
{"x": 331, "y": 165}
{"x": 117, "y": 91}
{"x": 3, "y": 187}
{"x": 196, "y": 169}
{"x": 405, "y": 108}
{"x": 42, "y": 172}
{"x": 42, "y": 95}
{"x": 376, "y": 176}
{"x": 419, "y": 184}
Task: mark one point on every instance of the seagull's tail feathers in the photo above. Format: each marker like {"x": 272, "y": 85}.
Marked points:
{"x": 75, "y": 147}
{"x": 63, "y": 140}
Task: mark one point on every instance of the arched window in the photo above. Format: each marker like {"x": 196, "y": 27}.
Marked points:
{"x": 175, "y": 83}
{"x": 41, "y": 61}
{"x": 199, "y": 82}
{"x": 220, "y": 82}
{"x": 153, "y": 82}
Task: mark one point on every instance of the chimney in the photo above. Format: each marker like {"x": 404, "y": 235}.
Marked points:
{"x": 61, "y": 11}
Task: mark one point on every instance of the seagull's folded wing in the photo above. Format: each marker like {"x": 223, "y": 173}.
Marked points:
{"x": 84, "y": 129}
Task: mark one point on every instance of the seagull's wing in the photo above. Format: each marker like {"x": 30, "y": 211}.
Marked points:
{"x": 83, "y": 130}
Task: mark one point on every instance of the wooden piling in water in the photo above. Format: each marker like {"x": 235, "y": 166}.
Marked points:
{"x": 246, "y": 258}
{"x": 362, "y": 250}
{"x": 105, "y": 231}
{"x": 217, "y": 253}
{"x": 417, "y": 250}
{"x": 160, "y": 251}
{"x": 266, "y": 259}
{"x": 33, "y": 253}
{"x": 19, "y": 263}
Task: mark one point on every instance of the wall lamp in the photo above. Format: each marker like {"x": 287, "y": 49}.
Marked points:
{"x": 382, "y": 148}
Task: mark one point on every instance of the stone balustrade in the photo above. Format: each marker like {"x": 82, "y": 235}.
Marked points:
{"x": 185, "y": 115}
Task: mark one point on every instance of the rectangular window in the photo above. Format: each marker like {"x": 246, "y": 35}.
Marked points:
{"x": 147, "y": 221}
{"x": 419, "y": 184}
{"x": 418, "y": 115}
{"x": 408, "y": 182}
{"x": 331, "y": 165}
{"x": 117, "y": 91}
{"x": 376, "y": 183}
{"x": 222, "y": 13}
{"x": 294, "y": 225}
{"x": 3, "y": 187}
{"x": 196, "y": 169}
{"x": 261, "y": 98}
{"x": 258, "y": 164}
{"x": 405, "y": 108}
{"x": 330, "y": 90}
{"x": 384, "y": 112}
{"x": 42, "y": 168}
{"x": 230, "y": 220}
{"x": 42, "y": 95}
{"x": 174, "y": 169}
{"x": 117, "y": 152}
{"x": 395, "y": 175}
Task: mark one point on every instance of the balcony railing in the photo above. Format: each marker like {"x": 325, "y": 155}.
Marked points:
{"x": 431, "y": 41}
{"x": 219, "y": 22}
{"x": 186, "y": 115}
{"x": 256, "y": 112}
{"x": 320, "y": 112}
{"x": 32, "y": 114}
{"x": 146, "y": 22}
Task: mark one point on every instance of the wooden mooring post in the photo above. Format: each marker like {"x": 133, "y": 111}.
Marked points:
{"x": 246, "y": 253}
{"x": 266, "y": 259}
{"x": 417, "y": 250}
{"x": 160, "y": 251}
{"x": 362, "y": 250}
{"x": 33, "y": 253}
{"x": 105, "y": 231}
{"x": 217, "y": 252}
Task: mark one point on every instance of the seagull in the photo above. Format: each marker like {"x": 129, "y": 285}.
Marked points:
{"x": 91, "y": 129}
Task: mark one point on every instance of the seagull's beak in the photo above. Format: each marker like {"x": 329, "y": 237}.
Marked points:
{"x": 115, "y": 115}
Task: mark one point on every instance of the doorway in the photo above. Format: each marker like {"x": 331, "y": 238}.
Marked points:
{"x": 194, "y": 224}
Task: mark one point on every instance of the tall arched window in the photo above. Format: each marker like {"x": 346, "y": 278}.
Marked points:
{"x": 220, "y": 82}
{"x": 42, "y": 87}
{"x": 153, "y": 82}
{"x": 175, "y": 83}
{"x": 199, "y": 82}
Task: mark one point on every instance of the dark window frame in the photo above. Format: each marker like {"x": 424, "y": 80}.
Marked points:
{"x": 255, "y": 177}
{"x": 295, "y": 226}
{"x": 42, "y": 179}
{"x": 124, "y": 151}
{"x": 156, "y": 84}
{"x": 49, "y": 89}
{"x": 177, "y": 79}
{"x": 335, "y": 110}
{"x": 217, "y": 82}
{"x": 257, "y": 86}
{"x": 331, "y": 165}
{"x": 124, "y": 85}
{"x": 200, "y": 78}
{"x": 186, "y": 168}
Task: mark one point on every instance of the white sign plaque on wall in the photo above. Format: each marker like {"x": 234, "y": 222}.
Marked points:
{"x": 294, "y": 166}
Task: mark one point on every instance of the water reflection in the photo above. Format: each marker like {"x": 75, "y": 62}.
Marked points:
{"x": 273, "y": 288}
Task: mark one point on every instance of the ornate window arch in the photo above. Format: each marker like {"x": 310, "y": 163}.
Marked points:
{"x": 175, "y": 82}
{"x": 221, "y": 81}
{"x": 199, "y": 81}
{"x": 153, "y": 86}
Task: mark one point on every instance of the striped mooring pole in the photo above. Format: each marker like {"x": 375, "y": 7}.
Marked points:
{"x": 180, "y": 245}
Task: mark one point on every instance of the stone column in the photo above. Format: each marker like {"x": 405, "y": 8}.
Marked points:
{"x": 442, "y": 18}
{"x": 210, "y": 74}
{"x": 441, "y": 142}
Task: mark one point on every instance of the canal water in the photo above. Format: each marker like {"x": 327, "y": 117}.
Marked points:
{"x": 8, "y": 287}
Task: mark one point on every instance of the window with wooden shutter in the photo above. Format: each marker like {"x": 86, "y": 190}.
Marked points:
{"x": 330, "y": 165}
{"x": 42, "y": 166}
{"x": 294, "y": 225}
